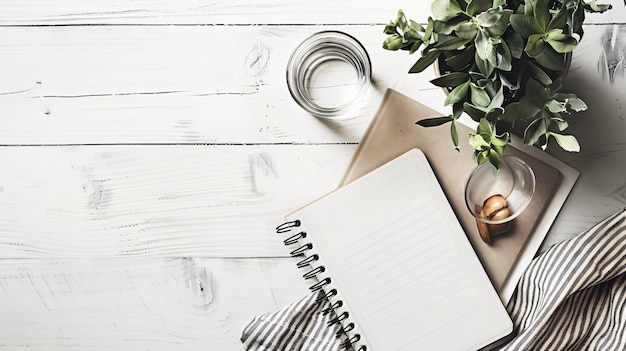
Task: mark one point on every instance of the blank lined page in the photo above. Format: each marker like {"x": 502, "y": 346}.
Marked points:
{"x": 401, "y": 262}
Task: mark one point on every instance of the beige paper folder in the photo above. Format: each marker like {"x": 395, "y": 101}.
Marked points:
{"x": 393, "y": 131}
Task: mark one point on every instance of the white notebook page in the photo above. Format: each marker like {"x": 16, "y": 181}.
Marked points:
{"x": 401, "y": 262}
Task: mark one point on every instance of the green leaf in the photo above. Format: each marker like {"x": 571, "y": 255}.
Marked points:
{"x": 535, "y": 45}
{"x": 515, "y": 43}
{"x": 560, "y": 42}
{"x": 528, "y": 111}
{"x": 555, "y": 106}
{"x": 478, "y": 6}
{"x": 504, "y": 57}
{"x": 451, "y": 42}
{"x": 484, "y": 66}
{"x": 481, "y": 157}
{"x": 542, "y": 14}
{"x": 457, "y": 110}
{"x": 457, "y": 94}
{"x": 559, "y": 20}
{"x": 484, "y": 127}
{"x": 495, "y": 21}
{"x": 454, "y": 135}
{"x": 511, "y": 112}
{"x": 401, "y": 20}
{"x": 497, "y": 100}
{"x": 500, "y": 141}
{"x": 506, "y": 82}
{"x": 433, "y": 122}
{"x": 525, "y": 25}
{"x": 541, "y": 76}
{"x": 489, "y": 18}
{"x": 415, "y": 47}
{"x": 578, "y": 17}
{"x": 463, "y": 4}
{"x": 425, "y": 61}
{"x": 535, "y": 130}
{"x": 493, "y": 115}
{"x": 551, "y": 59}
{"x": 475, "y": 112}
{"x": 479, "y": 96}
{"x": 467, "y": 30}
{"x": 556, "y": 86}
{"x": 444, "y": 10}
{"x": 559, "y": 122}
{"x": 393, "y": 42}
{"x": 536, "y": 94}
{"x": 527, "y": 7}
{"x": 593, "y": 6}
{"x": 567, "y": 142}
{"x": 449, "y": 26}
{"x": 462, "y": 59}
{"x": 412, "y": 35}
{"x": 477, "y": 141}
{"x": 428, "y": 32}
{"x": 563, "y": 96}
{"x": 495, "y": 158}
{"x": 576, "y": 104}
{"x": 485, "y": 48}
{"x": 451, "y": 79}
{"x": 480, "y": 81}
{"x": 499, "y": 149}
{"x": 390, "y": 29}
{"x": 416, "y": 26}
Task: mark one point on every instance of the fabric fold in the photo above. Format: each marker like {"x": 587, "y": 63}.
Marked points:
{"x": 301, "y": 326}
{"x": 571, "y": 297}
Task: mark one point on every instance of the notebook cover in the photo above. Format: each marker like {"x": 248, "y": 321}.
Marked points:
{"x": 393, "y": 131}
{"x": 398, "y": 298}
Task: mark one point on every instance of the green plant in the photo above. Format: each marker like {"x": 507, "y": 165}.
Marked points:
{"x": 501, "y": 62}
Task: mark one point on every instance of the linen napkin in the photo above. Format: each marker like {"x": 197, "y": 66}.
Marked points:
{"x": 571, "y": 297}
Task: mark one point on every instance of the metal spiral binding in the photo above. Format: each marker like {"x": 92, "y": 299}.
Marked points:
{"x": 323, "y": 286}
{"x": 314, "y": 272}
{"x": 301, "y": 250}
{"x": 294, "y": 238}
{"x": 308, "y": 261}
{"x": 285, "y": 227}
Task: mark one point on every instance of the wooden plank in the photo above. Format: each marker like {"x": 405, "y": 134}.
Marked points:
{"x": 200, "y": 12}
{"x": 139, "y": 304}
{"x": 64, "y": 12}
{"x": 147, "y": 84}
{"x": 158, "y": 200}
{"x": 109, "y": 85}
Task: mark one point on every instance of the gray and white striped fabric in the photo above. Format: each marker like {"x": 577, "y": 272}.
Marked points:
{"x": 571, "y": 297}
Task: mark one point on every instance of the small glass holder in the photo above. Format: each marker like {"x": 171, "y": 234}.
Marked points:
{"x": 328, "y": 74}
{"x": 496, "y": 198}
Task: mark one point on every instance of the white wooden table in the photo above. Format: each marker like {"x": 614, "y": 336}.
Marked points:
{"x": 149, "y": 148}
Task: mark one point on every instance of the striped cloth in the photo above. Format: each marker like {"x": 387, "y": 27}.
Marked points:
{"x": 571, "y": 297}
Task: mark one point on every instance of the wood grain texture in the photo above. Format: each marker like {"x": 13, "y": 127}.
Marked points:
{"x": 146, "y": 84}
{"x": 139, "y": 304}
{"x": 68, "y": 87}
{"x": 200, "y": 12}
{"x": 150, "y": 147}
{"x": 110, "y": 85}
{"x": 158, "y": 200}
{"x": 74, "y": 12}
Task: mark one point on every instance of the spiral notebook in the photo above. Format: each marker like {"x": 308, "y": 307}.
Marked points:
{"x": 395, "y": 264}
